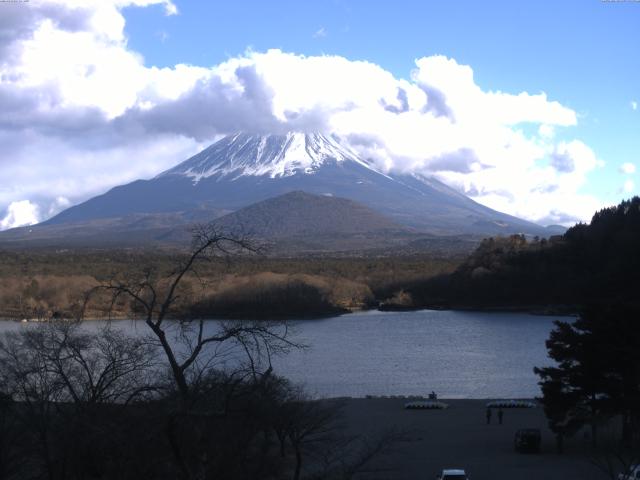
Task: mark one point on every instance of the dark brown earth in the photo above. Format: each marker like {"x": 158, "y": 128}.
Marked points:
{"x": 459, "y": 437}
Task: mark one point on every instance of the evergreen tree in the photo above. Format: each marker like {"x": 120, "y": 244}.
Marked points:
{"x": 597, "y": 375}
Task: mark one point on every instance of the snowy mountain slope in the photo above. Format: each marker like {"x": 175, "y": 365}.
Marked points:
{"x": 243, "y": 169}
{"x": 264, "y": 155}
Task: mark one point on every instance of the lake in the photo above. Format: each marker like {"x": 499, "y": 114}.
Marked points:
{"x": 456, "y": 354}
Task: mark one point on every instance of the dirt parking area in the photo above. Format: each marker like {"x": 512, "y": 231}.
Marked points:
{"x": 459, "y": 437}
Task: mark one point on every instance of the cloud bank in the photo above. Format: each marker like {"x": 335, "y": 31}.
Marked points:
{"x": 81, "y": 112}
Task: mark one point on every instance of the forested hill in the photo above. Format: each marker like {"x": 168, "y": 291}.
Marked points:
{"x": 596, "y": 262}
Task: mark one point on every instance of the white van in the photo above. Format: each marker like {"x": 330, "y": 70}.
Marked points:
{"x": 453, "y": 474}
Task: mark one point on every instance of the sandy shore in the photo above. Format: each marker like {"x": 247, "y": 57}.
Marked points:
{"x": 459, "y": 437}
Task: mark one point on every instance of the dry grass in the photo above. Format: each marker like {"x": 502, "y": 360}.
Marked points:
{"x": 37, "y": 284}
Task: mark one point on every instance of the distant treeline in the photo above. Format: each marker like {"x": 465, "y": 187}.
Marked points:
{"x": 591, "y": 263}
{"x": 37, "y": 284}
{"x": 284, "y": 297}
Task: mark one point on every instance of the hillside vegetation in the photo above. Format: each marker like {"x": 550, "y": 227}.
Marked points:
{"x": 590, "y": 263}
{"x": 36, "y": 284}
{"x": 595, "y": 262}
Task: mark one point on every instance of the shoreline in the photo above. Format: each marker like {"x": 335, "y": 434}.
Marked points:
{"x": 439, "y": 399}
{"x": 539, "y": 310}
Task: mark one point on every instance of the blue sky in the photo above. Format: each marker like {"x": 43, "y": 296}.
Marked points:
{"x": 528, "y": 107}
{"x": 582, "y": 53}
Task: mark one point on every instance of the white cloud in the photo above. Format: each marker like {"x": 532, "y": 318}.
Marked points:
{"x": 628, "y": 186}
{"x": 573, "y": 156}
{"x": 20, "y": 213}
{"x": 456, "y": 83}
{"x": 546, "y": 132}
{"x": 634, "y": 105}
{"x": 81, "y": 112}
{"x": 628, "y": 168}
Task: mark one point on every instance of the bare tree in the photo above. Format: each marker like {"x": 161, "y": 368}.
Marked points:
{"x": 63, "y": 377}
{"x": 309, "y": 426}
{"x": 193, "y": 348}
{"x": 314, "y": 431}
{"x": 59, "y": 361}
{"x": 155, "y": 297}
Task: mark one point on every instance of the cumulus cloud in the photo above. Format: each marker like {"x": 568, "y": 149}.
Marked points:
{"x": 546, "y": 132}
{"x": 634, "y": 105}
{"x": 20, "y": 213}
{"x": 628, "y": 168}
{"x": 562, "y": 161}
{"x": 461, "y": 161}
{"x": 574, "y": 156}
{"x": 81, "y": 112}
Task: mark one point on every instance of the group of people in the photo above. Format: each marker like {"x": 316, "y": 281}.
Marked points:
{"x": 500, "y": 415}
{"x": 434, "y": 396}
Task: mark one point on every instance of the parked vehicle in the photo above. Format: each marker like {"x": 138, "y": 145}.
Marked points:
{"x": 452, "y": 474}
{"x": 527, "y": 440}
{"x": 632, "y": 474}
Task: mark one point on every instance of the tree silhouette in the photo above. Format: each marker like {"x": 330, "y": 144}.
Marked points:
{"x": 155, "y": 297}
{"x": 597, "y": 375}
{"x": 590, "y": 263}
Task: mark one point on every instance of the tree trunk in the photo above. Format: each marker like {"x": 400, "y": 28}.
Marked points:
{"x": 46, "y": 453}
{"x": 175, "y": 447}
{"x": 296, "y": 474}
{"x": 560, "y": 443}
{"x": 627, "y": 430}
{"x": 178, "y": 373}
{"x": 281, "y": 438}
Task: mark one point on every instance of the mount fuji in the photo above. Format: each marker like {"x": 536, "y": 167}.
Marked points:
{"x": 242, "y": 169}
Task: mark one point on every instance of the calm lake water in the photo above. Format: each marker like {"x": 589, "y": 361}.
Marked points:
{"x": 456, "y": 354}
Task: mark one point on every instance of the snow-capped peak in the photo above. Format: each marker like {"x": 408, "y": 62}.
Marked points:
{"x": 274, "y": 156}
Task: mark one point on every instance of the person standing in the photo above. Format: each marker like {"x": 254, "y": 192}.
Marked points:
{"x": 500, "y": 415}
{"x": 488, "y": 416}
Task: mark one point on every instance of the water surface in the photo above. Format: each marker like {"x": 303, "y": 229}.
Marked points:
{"x": 456, "y": 354}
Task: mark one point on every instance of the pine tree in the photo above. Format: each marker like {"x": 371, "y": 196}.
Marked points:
{"x": 597, "y": 375}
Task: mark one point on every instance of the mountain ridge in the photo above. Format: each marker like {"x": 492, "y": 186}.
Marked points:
{"x": 290, "y": 225}
{"x": 242, "y": 169}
